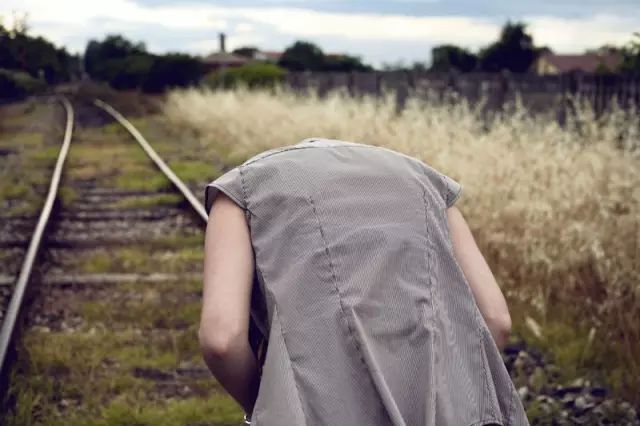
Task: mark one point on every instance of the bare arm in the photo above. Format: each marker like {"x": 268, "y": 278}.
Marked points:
{"x": 224, "y": 322}
{"x": 486, "y": 291}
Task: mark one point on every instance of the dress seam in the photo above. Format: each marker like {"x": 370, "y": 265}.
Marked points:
{"x": 340, "y": 301}
{"x": 244, "y": 192}
{"x": 293, "y": 374}
{"x": 284, "y": 343}
{"x": 431, "y": 291}
{"x": 484, "y": 421}
{"x": 511, "y": 403}
{"x": 483, "y": 357}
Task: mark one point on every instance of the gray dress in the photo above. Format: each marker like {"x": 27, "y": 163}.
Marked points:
{"x": 369, "y": 318}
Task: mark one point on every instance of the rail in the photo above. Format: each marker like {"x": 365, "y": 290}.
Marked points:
{"x": 259, "y": 341}
{"x": 177, "y": 182}
{"x": 15, "y": 305}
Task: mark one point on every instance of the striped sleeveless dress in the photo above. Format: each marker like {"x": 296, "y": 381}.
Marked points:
{"x": 367, "y": 316}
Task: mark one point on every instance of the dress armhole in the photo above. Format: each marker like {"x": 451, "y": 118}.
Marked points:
{"x": 453, "y": 189}
{"x": 448, "y": 188}
{"x": 231, "y": 184}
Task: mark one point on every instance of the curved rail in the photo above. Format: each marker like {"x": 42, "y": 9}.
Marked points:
{"x": 15, "y": 305}
{"x": 197, "y": 206}
{"x": 260, "y": 344}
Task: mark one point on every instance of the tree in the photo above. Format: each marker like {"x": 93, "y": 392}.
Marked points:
{"x": 397, "y": 65}
{"x": 448, "y": 57}
{"x": 606, "y": 49}
{"x": 631, "y": 56}
{"x": 114, "y": 46}
{"x": 34, "y": 55}
{"x": 127, "y": 65}
{"x": 20, "y": 23}
{"x": 344, "y": 63}
{"x": 246, "y": 51}
{"x": 171, "y": 70}
{"x": 419, "y": 66}
{"x": 514, "y": 51}
{"x": 301, "y": 56}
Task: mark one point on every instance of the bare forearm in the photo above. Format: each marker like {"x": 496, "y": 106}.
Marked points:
{"x": 486, "y": 291}
{"x": 237, "y": 371}
{"x": 500, "y": 335}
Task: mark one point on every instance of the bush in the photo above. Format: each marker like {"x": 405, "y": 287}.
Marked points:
{"x": 127, "y": 65}
{"x": 173, "y": 70}
{"x": 35, "y": 55}
{"x": 124, "y": 73}
{"x": 251, "y": 75}
{"x": 16, "y": 84}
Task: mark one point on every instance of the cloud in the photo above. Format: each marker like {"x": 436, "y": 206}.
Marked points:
{"x": 374, "y": 27}
{"x": 571, "y": 35}
{"x": 377, "y": 37}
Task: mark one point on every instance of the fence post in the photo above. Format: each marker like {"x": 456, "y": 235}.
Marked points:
{"x": 351, "y": 83}
{"x": 504, "y": 87}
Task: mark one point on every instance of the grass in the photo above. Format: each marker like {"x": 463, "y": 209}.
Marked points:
{"x": 218, "y": 410}
{"x": 193, "y": 171}
{"x": 87, "y": 378}
{"x": 149, "y": 201}
{"x": 183, "y": 151}
{"x": 553, "y": 209}
{"x": 144, "y": 258}
{"x": 123, "y": 165}
{"x": 147, "y": 307}
{"x": 94, "y": 369}
{"x": 108, "y": 368}
{"x": 29, "y": 137}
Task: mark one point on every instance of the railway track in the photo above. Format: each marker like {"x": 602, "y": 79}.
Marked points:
{"x": 114, "y": 276}
{"x": 102, "y": 324}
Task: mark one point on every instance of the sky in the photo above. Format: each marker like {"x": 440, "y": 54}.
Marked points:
{"x": 391, "y": 32}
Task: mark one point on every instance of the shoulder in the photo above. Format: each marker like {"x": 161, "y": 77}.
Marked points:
{"x": 312, "y": 143}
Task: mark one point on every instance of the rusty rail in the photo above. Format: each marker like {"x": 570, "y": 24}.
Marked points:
{"x": 7, "y": 333}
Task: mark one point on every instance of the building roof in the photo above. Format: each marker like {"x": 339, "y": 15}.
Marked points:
{"x": 587, "y": 62}
{"x": 271, "y": 54}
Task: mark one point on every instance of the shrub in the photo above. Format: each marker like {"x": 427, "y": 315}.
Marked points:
{"x": 251, "y": 75}
{"x": 124, "y": 73}
{"x": 173, "y": 70}
{"x": 16, "y": 84}
{"x": 553, "y": 208}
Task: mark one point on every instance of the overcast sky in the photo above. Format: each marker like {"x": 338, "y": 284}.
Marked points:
{"x": 378, "y": 31}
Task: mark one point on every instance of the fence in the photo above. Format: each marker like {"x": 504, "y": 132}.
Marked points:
{"x": 538, "y": 93}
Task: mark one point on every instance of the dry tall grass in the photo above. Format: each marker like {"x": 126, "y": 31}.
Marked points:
{"x": 555, "y": 210}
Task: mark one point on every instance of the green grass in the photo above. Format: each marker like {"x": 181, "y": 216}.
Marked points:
{"x": 67, "y": 195}
{"x": 143, "y": 179}
{"x": 93, "y": 370}
{"x": 218, "y": 410}
{"x": 147, "y": 308}
{"x": 24, "y": 182}
{"x": 12, "y": 189}
{"x": 178, "y": 241}
{"x": 141, "y": 258}
{"x": 194, "y": 171}
{"x": 126, "y": 404}
{"x": 149, "y": 201}
{"x": 26, "y": 140}
{"x": 26, "y": 171}
{"x": 91, "y": 375}
{"x": 576, "y": 351}
{"x": 44, "y": 157}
